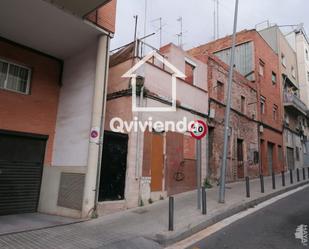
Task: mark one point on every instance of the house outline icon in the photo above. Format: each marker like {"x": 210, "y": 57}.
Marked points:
{"x": 131, "y": 74}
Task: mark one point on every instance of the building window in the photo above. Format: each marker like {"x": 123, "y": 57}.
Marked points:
{"x": 263, "y": 105}
{"x": 283, "y": 61}
{"x": 14, "y": 77}
{"x": 297, "y": 153}
{"x": 274, "y": 78}
{"x": 308, "y": 76}
{"x": 189, "y": 71}
{"x": 307, "y": 55}
{"x": 304, "y": 148}
{"x": 242, "y": 104}
{"x": 275, "y": 112}
{"x": 220, "y": 91}
{"x": 293, "y": 72}
{"x": 261, "y": 68}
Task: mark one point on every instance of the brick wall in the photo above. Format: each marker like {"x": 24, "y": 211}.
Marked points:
{"x": 272, "y": 128}
{"x": 36, "y": 112}
{"x": 244, "y": 124}
{"x": 105, "y": 16}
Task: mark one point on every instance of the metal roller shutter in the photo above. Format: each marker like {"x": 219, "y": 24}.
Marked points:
{"x": 21, "y": 163}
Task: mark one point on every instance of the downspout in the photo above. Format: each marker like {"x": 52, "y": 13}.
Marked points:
{"x": 102, "y": 123}
{"x": 137, "y": 159}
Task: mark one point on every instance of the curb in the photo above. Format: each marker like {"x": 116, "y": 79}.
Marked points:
{"x": 168, "y": 238}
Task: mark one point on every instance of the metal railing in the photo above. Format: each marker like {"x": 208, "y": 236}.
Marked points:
{"x": 290, "y": 98}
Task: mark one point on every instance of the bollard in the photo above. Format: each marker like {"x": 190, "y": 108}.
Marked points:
{"x": 204, "y": 204}
{"x": 262, "y": 183}
{"x": 291, "y": 176}
{"x": 247, "y": 187}
{"x": 304, "y": 174}
{"x": 308, "y": 171}
{"x": 273, "y": 180}
{"x": 283, "y": 179}
{"x": 297, "y": 172}
{"x": 171, "y": 214}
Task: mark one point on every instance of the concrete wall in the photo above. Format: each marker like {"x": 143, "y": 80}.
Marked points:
{"x": 50, "y": 190}
{"x": 75, "y": 108}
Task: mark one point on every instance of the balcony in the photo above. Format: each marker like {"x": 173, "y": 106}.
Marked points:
{"x": 56, "y": 28}
{"x": 294, "y": 103}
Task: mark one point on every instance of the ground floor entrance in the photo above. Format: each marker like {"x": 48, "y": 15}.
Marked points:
{"x": 113, "y": 167}
{"x": 21, "y": 164}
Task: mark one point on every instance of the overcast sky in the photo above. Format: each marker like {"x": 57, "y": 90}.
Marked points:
{"x": 198, "y": 18}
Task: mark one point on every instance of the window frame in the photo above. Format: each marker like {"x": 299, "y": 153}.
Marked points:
{"x": 193, "y": 66}
{"x": 261, "y": 68}
{"x": 27, "y": 92}
{"x": 263, "y": 101}
{"x": 283, "y": 60}
{"x": 275, "y": 112}
{"x": 273, "y": 74}
{"x": 243, "y": 104}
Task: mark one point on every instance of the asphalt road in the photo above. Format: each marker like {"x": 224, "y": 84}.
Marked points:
{"x": 269, "y": 228}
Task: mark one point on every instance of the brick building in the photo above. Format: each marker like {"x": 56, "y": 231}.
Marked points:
{"x": 52, "y": 60}
{"x": 158, "y": 162}
{"x": 256, "y": 60}
{"x": 243, "y": 138}
{"x": 295, "y": 110}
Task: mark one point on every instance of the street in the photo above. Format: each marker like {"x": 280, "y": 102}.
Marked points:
{"x": 271, "y": 227}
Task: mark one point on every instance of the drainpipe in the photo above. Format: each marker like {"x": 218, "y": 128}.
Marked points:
{"x": 98, "y": 113}
{"x": 137, "y": 159}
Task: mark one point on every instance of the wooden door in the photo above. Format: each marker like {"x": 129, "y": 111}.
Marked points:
{"x": 157, "y": 162}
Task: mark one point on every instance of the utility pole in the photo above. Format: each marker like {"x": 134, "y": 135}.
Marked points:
{"x": 215, "y": 26}
{"x": 217, "y": 19}
{"x": 227, "y": 111}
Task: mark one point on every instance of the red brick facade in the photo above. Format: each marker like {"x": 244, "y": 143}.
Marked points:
{"x": 243, "y": 123}
{"x": 37, "y": 111}
{"x": 105, "y": 16}
{"x": 270, "y": 124}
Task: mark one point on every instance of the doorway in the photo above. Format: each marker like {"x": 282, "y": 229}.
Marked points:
{"x": 21, "y": 166}
{"x": 113, "y": 167}
{"x": 240, "y": 159}
{"x": 157, "y": 162}
{"x": 270, "y": 156}
{"x": 290, "y": 157}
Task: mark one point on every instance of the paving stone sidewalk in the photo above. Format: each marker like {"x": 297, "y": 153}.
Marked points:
{"x": 144, "y": 227}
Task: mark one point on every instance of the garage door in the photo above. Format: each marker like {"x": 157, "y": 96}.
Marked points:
{"x": 21, "y": 163}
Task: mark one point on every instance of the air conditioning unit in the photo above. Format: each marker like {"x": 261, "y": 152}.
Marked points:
{"x": 261, "y": 128}
{"x": 212, "y": 113}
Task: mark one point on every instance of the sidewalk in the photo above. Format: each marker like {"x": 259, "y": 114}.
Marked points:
{"x": 147, "y": 227}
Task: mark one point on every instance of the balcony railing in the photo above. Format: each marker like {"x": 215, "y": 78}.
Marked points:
{"x": 291, "y": 100}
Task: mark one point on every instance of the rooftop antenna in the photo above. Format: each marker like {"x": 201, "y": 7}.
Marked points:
{"x": 180, "y": 35}
{"x": 145, "y": 17}
{"x": 160, "y": 28}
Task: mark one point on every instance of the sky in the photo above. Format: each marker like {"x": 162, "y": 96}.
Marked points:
{"x": 198, "y": 18}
